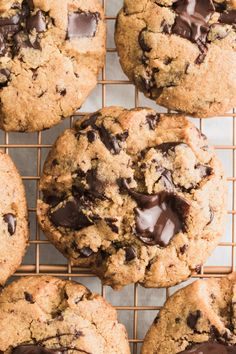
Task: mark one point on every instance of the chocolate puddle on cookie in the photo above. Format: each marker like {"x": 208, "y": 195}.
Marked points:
{"x": 210, "y": 348}
{"x": 159, "y": 217}
{"x": 192, "y": 21}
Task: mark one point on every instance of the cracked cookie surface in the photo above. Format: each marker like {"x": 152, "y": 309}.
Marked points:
{"x": 136, "y": 196}
{"x": 43, "y": 315}
{"x": 198, "y": 319}
{"x": 50, "y": 55}
{"x": 180, "y": 53}
{"x": 13, "y": 218}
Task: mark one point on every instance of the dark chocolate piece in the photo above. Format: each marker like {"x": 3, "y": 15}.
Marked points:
{"x": 62, "y": 91}
{"x": 36, "y": 22}
{"x": 192, "y": 22}
{"x": 29, "y": 297}
{"x": 228, "y": 17}
{"x": 192, "y": 19}
{"x": 14, "y": 31}
{"x": 141, "y": 40}
{"x": 86, "y": 252}
{"x": 82, "y": 24}
{"x": 130, "y": 254}
{"x": 170, "y": 146}
{"x": 70, "y": 215}
{"x": 111, "y": 223}
{"x": 96, "y": 187}
{"x": 52, "y": 200}
{"x": 91, "y": 135}
{"x": 193, "y": 318}
{"x": 112, "y": 142}
{"x": 152, "y": 120}
{"x": 10, "y": 219}
{"x": 91, "y": 121}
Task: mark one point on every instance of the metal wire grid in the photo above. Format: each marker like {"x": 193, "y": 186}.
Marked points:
{"x": 67, "y": 271}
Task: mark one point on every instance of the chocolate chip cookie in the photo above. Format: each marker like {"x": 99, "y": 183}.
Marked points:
{"x": 46, "y": 315}
{"x": 50, "y": 55}
{"x": 13, "y": 218}
{"x": 199, "y": 319}
{"x": 181, "y": 53}
{"x": 136, "y": 196}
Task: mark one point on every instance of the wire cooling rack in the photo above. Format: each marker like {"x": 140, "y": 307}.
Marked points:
{"x": 137, "y": 307}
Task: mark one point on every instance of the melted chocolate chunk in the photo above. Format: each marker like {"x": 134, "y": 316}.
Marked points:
{"x": 36, "y": 349}
{"x": 210, "y": 348}
{"x": 192, "y": 22}
{"x": 192, "y": 19}
{"x": 159, "y": 217}
{"x": 228, "y": 17}
{"x": 82, "y": 24}
{"x": 193, "y": 318}
{"x": 70, "y": 215}
{"x": 130, "y": 254}
{"x": 153, "y": 120}
{"x": 10, "y": 219}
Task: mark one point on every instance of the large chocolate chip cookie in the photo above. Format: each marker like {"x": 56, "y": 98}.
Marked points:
{"x": 137, "y": 196}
